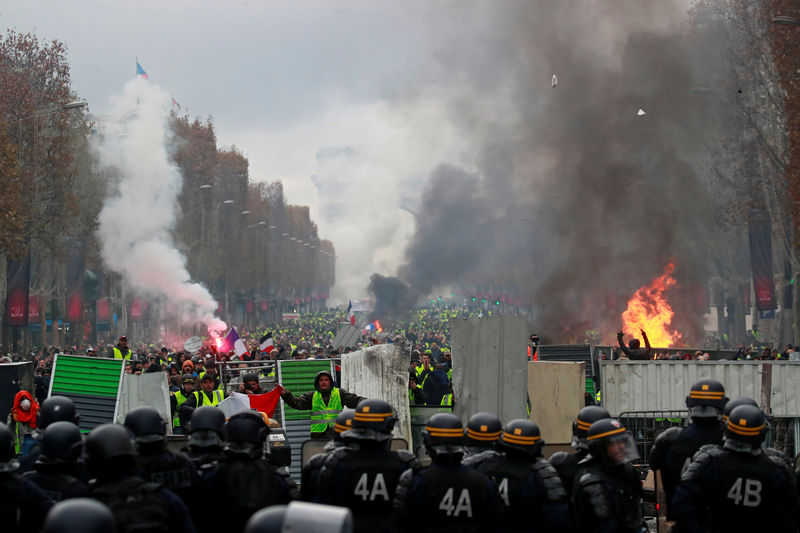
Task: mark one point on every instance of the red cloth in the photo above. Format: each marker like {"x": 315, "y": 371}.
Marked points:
{"x": 28, "y": 417}
{"x": 267, "y": 402}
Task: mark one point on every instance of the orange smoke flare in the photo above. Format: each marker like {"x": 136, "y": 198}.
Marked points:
{"x": 649, "y": 310}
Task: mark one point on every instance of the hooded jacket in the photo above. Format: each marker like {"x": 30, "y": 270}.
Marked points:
{"x": 303, "y": 402}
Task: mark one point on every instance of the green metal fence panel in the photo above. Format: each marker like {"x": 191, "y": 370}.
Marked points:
{"x": 93, "y": 385}
{"x": 87, "y": 375}
{"x": 298, "y": 377}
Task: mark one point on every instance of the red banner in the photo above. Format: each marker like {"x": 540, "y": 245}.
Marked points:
{"x": 75, "y": 307}
{"x": 103, "y": 311}
{"x": 136, "y": 309}
{"x": 33, "y": 309}
{"x": 17, "y": 278}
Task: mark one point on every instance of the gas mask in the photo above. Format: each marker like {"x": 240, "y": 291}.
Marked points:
{"x": 25, "y": 404}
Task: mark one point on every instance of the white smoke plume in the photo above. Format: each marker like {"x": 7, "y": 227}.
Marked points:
{"x": 134, "y": 225}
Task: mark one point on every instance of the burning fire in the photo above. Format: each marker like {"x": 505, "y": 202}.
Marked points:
{"x": 649, "y": 310}
{"x": 218, "y": 340}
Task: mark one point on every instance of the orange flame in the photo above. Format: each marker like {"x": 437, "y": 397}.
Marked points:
{"x": 378, "y": 327}
{"x": 649, "y": 310}
{"x": 218, "y": 340}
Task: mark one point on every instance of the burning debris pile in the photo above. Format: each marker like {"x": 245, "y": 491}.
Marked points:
{"x": 650, "y": 311}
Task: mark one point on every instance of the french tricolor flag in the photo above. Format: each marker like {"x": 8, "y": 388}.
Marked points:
{"x": 350, "y": 316}
{"x": 140, "y": 72}
{"x": 231, "y": 341}
{"x": 266, "y": 343}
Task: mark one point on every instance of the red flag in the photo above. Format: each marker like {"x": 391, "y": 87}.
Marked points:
{"x": 267, "y": 402}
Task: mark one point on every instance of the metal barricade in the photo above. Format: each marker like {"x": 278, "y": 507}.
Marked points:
{"x": 646, "y": 426}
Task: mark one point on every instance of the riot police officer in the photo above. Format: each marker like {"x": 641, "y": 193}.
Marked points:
{"x": 733, "y": 404}
{"x": 447, "y": 495}
{"x": 137, "y": 504}
{"x": 364, "y": 477}
{"x": 206, "y": 437}
{"x": 59, "y": 465}
{"x": 532, "y": 492}
{"x": 566, "y": 464}
{"x": 80, "y": 514}
{"x": 608, "y": 492}
{"x": 674, "y": 448}
{"x": 737, "y": 486}
{"x": 53, "y": 409}
{"x": 155, "y": 463}
{"x": 308, "y": 481}
{"x": 22, "y": 502}
{"x": 481, "y": 437}
{"x": 242, "y": 482}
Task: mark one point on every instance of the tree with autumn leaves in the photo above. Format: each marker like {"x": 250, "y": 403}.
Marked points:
{"x": 53, "y": 192}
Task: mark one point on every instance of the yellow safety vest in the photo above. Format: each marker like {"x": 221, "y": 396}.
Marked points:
{"x": 322, "y": 415}
{"x": 118, "y": 354}
{"x": 179, "y": 398}
{"x": 216, "y": 398}
{"x": 447, "y": 399}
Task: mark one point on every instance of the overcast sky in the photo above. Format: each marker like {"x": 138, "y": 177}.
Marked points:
{"x": 283, "y": 79}
{"x": 280, "y": 78}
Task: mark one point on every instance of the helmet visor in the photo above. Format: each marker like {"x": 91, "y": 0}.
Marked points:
{"x": 621, "y": 449}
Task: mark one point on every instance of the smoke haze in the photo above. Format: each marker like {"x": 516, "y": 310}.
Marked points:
{"x": 135, "y": 224}
{"x": 570, "y": 197}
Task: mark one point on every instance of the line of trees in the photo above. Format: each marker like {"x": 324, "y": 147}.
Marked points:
{"x": 257, "y": 255}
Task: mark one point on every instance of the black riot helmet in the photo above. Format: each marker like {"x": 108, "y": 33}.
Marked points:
{"x": 611, "y": 443}
{"x": 146, "y": 425}
{"x": 80, "y": 514}
{"x": 245, "y": 433}
{"x": 733, "y": 404}
{"x": 483, "y": 430}
{"x": 207, "y": 427}
{"x": 523, "y": 436}
{"x": 109, "y": 441}
{"x": 745, "y": 429}
{"x": 373, "y": 419}
{"x": 344, "y": 421}
{"x": 56, "y": 408}
{"x": 706, "y": 399}
{"x": 62, "y": 442}
{"x": 586, "y": 417}
{"x": 444, "y": 438}
{"x": 7, "y": 461}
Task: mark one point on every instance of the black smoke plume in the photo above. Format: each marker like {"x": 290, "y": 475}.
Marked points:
{"x": 577, "y": 198}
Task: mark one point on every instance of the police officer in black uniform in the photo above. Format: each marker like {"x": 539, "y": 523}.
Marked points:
{"x": 155, "y": 463}
{"x": 53, "y": 409}
{"x": 481, "y": 437}
{"x": 364, "y": 477}
{"x": 137, "y": 504}
{"x": 206, "y": 437}
{"x": 673, "y": 449}
{"x": 607, "y": 494}
{"x": 737, "y": 486}
{"x": 308, "y": 481}
{"x": 59, "y": 467}
{"x": 532, "y": 492}
{"x": 80, "y": 514}
{"x": 566, "y": 464}
{"x": 447, "y": 495}
{"x": 242, "y": 482}
{"x": 22, "y": 503}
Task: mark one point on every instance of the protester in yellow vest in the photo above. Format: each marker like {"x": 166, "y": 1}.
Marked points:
{"x": 325, "y": 402}
{"x": 121, "y": 350}
{"x": 179, "y": 398}
{"x": 207, "y": 395}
